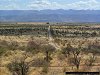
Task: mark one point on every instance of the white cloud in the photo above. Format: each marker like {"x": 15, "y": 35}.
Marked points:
{"x": 90, "y": 4}
{"x": 82, "y": 4}
{"x": 47, "y": 4}
{"x": 14, "y": 5}
{"x": 44, "y": 4}
{"x": 8, "y": 5}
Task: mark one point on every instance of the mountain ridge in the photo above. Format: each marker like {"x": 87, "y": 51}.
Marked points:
{"x": 59, "y": 15}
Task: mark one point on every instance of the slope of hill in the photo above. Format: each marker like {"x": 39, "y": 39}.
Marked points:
{"x": 50, "y": 15}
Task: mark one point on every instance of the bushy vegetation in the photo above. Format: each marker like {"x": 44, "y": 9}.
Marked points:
{"x": 70, "y": 53}
{"x": 74, "y": 31}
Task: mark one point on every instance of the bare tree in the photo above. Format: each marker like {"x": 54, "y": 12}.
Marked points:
{"x": 19, "y": 66}
{"x": 32, "y": 46}
{"x": 89, "y": 62}
{"x": 67, "y": 50}
{"x": 75, "y": 58}
{"x": 48, "y": 49}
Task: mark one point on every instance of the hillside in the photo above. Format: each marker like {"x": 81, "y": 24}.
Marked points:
{"x": 50, "y": 15}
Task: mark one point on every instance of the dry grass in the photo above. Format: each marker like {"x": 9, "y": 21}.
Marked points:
{"x": 58, "y": 65}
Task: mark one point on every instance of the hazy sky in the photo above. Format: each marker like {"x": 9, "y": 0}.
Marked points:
{"x": 49, "y": 4}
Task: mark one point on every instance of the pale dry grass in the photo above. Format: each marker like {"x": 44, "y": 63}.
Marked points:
{"x": 59, "y": 64}
{"x": 4, "y": 71}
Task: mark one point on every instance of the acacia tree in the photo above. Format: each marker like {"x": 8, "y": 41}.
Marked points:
{"x": 94, "y": 49}
{"x": 48, "y": 49}
{"x": 19, "y": 66}
{"x": 67, "y": 50}
{"x": 90, "y": 60}
{"x": 74, "y": 53}
{"x": 75, "y": 57}
{"x": 32, "y": 46}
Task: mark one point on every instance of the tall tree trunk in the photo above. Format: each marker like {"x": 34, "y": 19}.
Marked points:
{"x": 47, "y": 56}
{"x": 23, "y": 69}
{"x": 77, "y": 67}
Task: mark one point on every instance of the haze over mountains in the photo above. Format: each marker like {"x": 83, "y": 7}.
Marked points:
{"x": 58, "y": 15}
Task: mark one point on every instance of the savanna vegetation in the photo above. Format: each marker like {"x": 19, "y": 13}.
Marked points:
{"x": 27, "y": 49}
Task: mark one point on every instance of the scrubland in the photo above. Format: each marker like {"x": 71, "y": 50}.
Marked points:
{"x": 51, "y": 51}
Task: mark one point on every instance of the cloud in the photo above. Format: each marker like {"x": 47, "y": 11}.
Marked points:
{"x": 9, "y": 7}
{"x": 44, "y": 4}
{"x": 47, "y": 4}
{"x": 82, "y": 4}
{"x": 89, "y": 4}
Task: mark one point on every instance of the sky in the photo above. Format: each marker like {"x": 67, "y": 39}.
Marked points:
{"x": 49, "y": 4}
